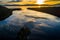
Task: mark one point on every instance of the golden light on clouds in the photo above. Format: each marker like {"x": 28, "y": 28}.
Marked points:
{"x": 52, "y": 2}
{"x": 40, "y": 1}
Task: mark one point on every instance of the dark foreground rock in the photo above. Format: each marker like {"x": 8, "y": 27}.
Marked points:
{"x": 5, "y": 12}
{"x": 50, "y": 10}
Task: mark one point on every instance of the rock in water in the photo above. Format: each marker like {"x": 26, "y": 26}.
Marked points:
{"x": 4, "y": 13}
{"x": 49, "y": 10}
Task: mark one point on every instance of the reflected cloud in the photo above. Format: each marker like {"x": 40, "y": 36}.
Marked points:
{"x": 41, "y": 23}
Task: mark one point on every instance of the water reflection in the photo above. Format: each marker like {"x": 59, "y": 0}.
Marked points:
{"x": 45, "y": 28}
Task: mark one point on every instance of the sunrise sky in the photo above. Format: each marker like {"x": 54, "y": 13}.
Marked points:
{"x": 52, "y": 1}
{"x": 39, "y": 1}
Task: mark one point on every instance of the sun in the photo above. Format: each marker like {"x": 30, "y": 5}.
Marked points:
{"x": 40, "y": 1}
